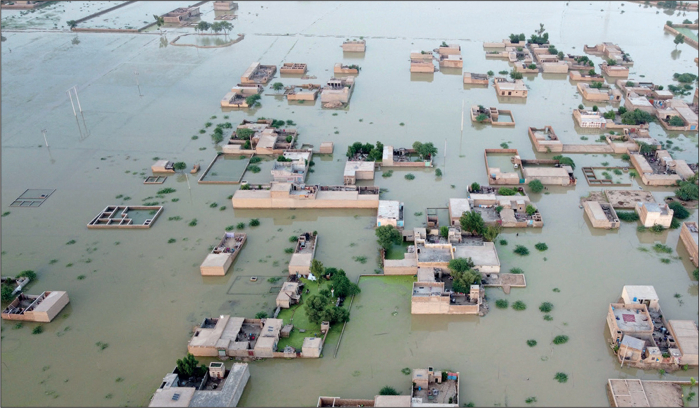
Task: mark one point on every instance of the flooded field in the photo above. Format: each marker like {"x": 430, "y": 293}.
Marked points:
{"x": 140, "y": 292}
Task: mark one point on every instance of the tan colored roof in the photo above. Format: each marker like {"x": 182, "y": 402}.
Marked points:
{"x": 351, "y": 167}
{"x": 686, "y": 336}
{"x": 215, "y": 260}
{"x": 392, "y": 401}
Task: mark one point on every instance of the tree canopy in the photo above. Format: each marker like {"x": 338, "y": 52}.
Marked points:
{"x": 636, "y": 117}
{"x": 188, "y": 367}
{"x": 387, "y": 236}
{"x": 472, "y": 221}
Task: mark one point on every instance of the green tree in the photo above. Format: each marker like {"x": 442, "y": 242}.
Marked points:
{"x": 530, "y": 209}
{"x": 566, "y": 161}
{"x": 621, "y": 110}
{"x": 444, "y": 231}
{"x": 482, "y": 117}
{"x": 596, "y": 85}
{"x": 636, "y": 117}
{"x": 386, "y": 390}
{"x": 261, "y": 315}
{"x": 425, "y": 150}
{"x": 226, "y": 27}
{"x": 159, "y": 21}
{"x": 203, "y": 26}
{"x": 535, "y": 186}
{"x": 461, "y": 281}
{"x": 278, "y": 86}
{"x": 687, "y": 191}
{"x": 676, "y": 121}
{"x": 459, "y": 265}
{"x": 315, "y": 307}
{"x": 317, "y": 268}
{"x": 475, "y": 186}
{"x": 180, "y": 166}
{"x": 491, "y": 233}
{"x": 591, "y": 72}
{"x": 216, "y": 27}
{"x": 679, "y": 211}
{"x": 71, "y": 24}
{"x": 532, "y": 66}
{"x": 188, "y": 367}
{"x": 252, "y": 99}
{"x": 514, "y": 74}
{"x": 680, "y": 39}
{"x": 472, "y": 221}
{"x": 6, "y": 293}
{"x": 387, "y": 236}
{"x": 342, "y": 287}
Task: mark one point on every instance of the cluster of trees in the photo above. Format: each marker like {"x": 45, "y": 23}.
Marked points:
{"x": 463, "y": 274}
{"x": 688, "y": 189}
{"x": 472, "y": 222}
{"x": 683, "y": 90}
{"x": 244, "y": 133}
{"x": 566, "y": 161}
{"x": 321, "y": 307}
{"x": 252, "y": 100}
{"x": 425, "y": 150}
{"x": 685, "y": 77}
{"x": 374, "y": 153}
{"x": 514, "y": 38}
{"x": 584, "y": 60}
{"x": 188, "y": 367}
{"x": 636, "y": 117}
{"x": 553, "y": 50}
{"x": 216, "y": 27}
{"x": 680, "y": 39}
{"x": 387, "y": 236}
{"x": 515, "y": 74}
{"x": 539, "y": 39}
{"x": 596, "y": 85}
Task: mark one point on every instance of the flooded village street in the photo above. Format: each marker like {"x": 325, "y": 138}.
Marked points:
{"x": 140, "y": 292}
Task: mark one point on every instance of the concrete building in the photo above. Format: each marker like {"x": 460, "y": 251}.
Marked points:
{"x": 505, "y": 211}
{"x": 265, "y": 139}
{"x": 601, "y": 215}
{"x": 475, "y": 79}
{"x": 293, "y": 68}
{"x": 326, "y": 148}
{"x": 303, "y": 255}
{"x": 638, "y": 393}
{"x": 218, "y": 388}
{"x": 678, "y": 108}
{"x": 640, "y": 294}
{"x": 515, "y": 88}
{"x": 294, "y": 169}
{"x": 403, "y": 157}
{"x": 685, "y": 333}
{"x": 634, "y": 101}
{"x": 589, "y": 119}
{"x": 289, "y": 295}
{"x": 223, "y": 255}
{"x": 120, "y": 217}
{"x": 492, "y": 115}
{"x": 555, "y": 67}
{"x": 451, "y": 49}
{"x": 610, "y": 51}
{"x": 312, "y": 347}
{"x": 661, "y": 169}
{"x": 288, "y": 195}
{"x": 357, "y": 170}
{"x": 578, "y": 76}
{"x": 422, "y": 65}
{"x": 457, "y": 207}
{"x": 163, "y": 166}
{"x": 32, "y": 308}
{"x": 237, "y": 98}
{"x": 545, "y": 140}
{"x": 421, "y": 55}
{"x": 181, "y": 14}
{"x": 689, "y": 237}
{"x": 614, "y": 71}
{"x": 337, "y": 92}
{"x": 604, "y": 94}
{"x": 258, "y": 74}
{"x": 651, "y": 214}
{"x": 303, "y": 92}
{"x": 390, "y": 213}
{"x": 225, "y": 5}
{"x": 354, "y": 46}
{"x": 340, "y": 68}
{"x": 450, "y": 61}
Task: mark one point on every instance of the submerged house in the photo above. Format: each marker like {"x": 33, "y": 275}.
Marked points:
{"x": 237, "y": 98}
{"x": 293, "y": 68}
{"x": 605, "y": 93}
{"x": 337, "y": 92}
{"x": 477, "y": 79}
{"x": 289, "y": 195}
{"x": 303, "y": 92}
{"x": 601, "y": 214}
{"x": 689, "y": 237}
{"x": 289, "y": 295}
{"x": 390, "y": 212}
{"x": 357, "y": 170}
{"x": 403, "y": 157}
{"x": 651, "y": 214}
{"x": 660, "y": 169}
{"x": 181, "y": 14}
{"x": 303, "y": 255}
{"x": 515, "y": 88}
{"x": 293, "y": 169}
{"x": 36, "y": 308}
{"x": 354, "y": 46}
{"x": 258, "y": 74}
{"x": 223, "y": 255}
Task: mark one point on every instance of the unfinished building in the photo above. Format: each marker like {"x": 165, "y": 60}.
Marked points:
{"x": 260, "y": 137}
{"x": 475, "y": 79}
{"x": 604, "y": 93}
{"x": 610, "y": 51}
{"x": 303, "y": 256}
{"x": 223, "y": 255}
{"x": 642, "y": 337}
{"x": 515, "y": 88}
{"x": 403, "y": 157}
{"x": 123, "y": 216}
{"x": 303, "y": 92}
{"x": 660, "y": 169}
{"x": 354, "y": 46}
{"x": 601, "y": 214}
{"x": 545, "y": 140}
{"x": 180, "y": 15}
{"x": 547, "y": 171}
{"x": 390, "y": 212}
{"x": 258, "y": 74}
{"x": 651, "y": 214}
{"x": 289, "y": 195}
{"x": 341, "y": 68}
{"x": 36, "y": 308}
{"x": 238, "y": 97}
{"x": 632, "y": 392}
{"x": 337, "y": 92}
{"x": 293, "y": 168}
{"x": 494, "y": 116}
{"x": 218, "y": 388}
{"x": 293, "y": 68}
{"x": 689, "y": 238}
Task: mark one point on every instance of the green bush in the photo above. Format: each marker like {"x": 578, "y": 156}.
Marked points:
{"x": 521, "y": 250}
{"x": 561, "y": 377}
{"x": 519, "y": 305}
{"x": 502, "y": 304}
{"x": 517, "y": 270}
{"x": 409, "y": 176}
{"x": 503, "y": 242}
{"x": 532, "y": 343}
{"x": 438, "y": 173}
{"x": 475, "y": 186}
{"x": 541, "y": 246}
{"x": 254, "y": 222}
{"x": 255, "y": 159}
{"x": 254, "y": 169}
{"x": 289, "y": 250}
{"x": 505, "y": 191}
{"x": 679, "y": 211}
{"x": 240, "y": 225}
{"x": 561, "y": 339}
{"x": 546, "y": 307}
{"x": 386, "y": 390}
{"x": 628, "y": 216}
{"x": 535, "y": 186}
{"x": 625, "y": 157}
{"x": 566, "y": 161}
{"x": 293, "y": 238}
{"x": 687, "y": 191}
{"x": 27, "y": 274}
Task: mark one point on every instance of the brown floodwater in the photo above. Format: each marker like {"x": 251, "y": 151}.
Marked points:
{"x": 142, "y": 295}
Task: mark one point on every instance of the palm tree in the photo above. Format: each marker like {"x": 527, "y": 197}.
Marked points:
{"x": 71, "y": 24}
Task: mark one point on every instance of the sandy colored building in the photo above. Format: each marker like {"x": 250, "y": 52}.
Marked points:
{"x": 451, "y": 61}
{"x": 545, "y": 140}
{"x": 610, "y": 51}
{"x": 494, "y": 116}
{"x": 403, "y": 157}
{"x": 340, "y": 68}
{"x": 219, "y": 388}
{"x": 289, "y": 295}
{"x": 225, "y": 5}
{"x": 265, "y": 139}
{"x": 421, "y": 55}
{"x": 337, "y": 92}
{"x": 303, "y": 255}
{"x": 238, "y": 95}
{"x": 615, "y": 71}
{"x": 555, "y": 67}
{"x": 634, "y": 101}
{"x": 601, "y": 214}
{"x": 515, "y": 88}
{"x": 32, "y": 308}
{"x": 303, "y": 92}
{"x": 354, "y": 46}
{"x": 422, "y": 65}
{"x": 475, "y": 79}
{"x": 651, "y": 214}
{"x": 578, "y": 76}
{"x": 223, "y": 255}
{"x": 163, "y": 166}
{"x": 390, "y": 213}
{"x": 451, "y": 49}
{"x": 326, "y": 148}
{"x": 506, "y": 211}
{"x": 294, "y": 170}
{"x": 258, "y": 74}
{"x": 678, "y": 108}
{"x": 312, "y": 347}
{"x": 181, "y": 14}
{"x": 293, "y": 68}
{"x": 357, "y": 170}
{"x": 689, "y": 237}
{"x": 120, "y": 217}
{"x": 288, "y": 195}
{"x": 589, "y": 119}
{"x": 637, "y": 393}
{"x": 604, "y": 94}
{"x": 663, "y": 170}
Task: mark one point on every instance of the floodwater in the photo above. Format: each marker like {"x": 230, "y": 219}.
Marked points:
{"x": 141, "y": 295}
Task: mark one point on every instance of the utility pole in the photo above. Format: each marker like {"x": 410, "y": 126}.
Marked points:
{"x": 71, "y": 103}
{"x": 136, "y": 75}
{"x": 75, "y": 89}
{"x": 43, "y": 132}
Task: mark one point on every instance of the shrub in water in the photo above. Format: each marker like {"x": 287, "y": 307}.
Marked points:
{"x": 541, "y": 246}
{"x": 546, "y": 307}
{"x": 502, "y": 303}
{"x": 519, "y": 305}
{"x": 521, "y": 250}
{"x": 532, "y": 343}
{"x": 561, "y": 339}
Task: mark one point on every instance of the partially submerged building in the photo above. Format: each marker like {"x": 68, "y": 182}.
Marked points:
{"x": 303, "y": 92}
{"x": 578, "y": 76}
{"x": 515, "y": 88}
{"x": 218, "y": 388}
{"x": 354, "y": 46}
{"x": 610, "y": 51}
{"x": 475, "y": 79}
{"x": 357, "y": 170}
{"x": 223, "y": 255}
{"x": 258, "y": 74}
{"x": 496, "y": 209}
{"x": 238, "y": 97}
{"x": 616, "y": 71}
{"x": 545, "y": 140}
{"x": 390, "y": 212}
{"x": 642, "y": 336}
{"x": 303, "y": 255}
{"x": 651, "y": 214}
{"x": 404, "y": 157}
{"x": 660, "y": 169}
{"x": 547, "y": 171}
{"x": 163, "y": 166}
{"x": 340, "y": 68}
{"x": 293, "y": 169}
{"x": 450, "y": 61}
{"x": 430, "y": 296}
{"x": 601, "y": 214}
{"x": 225, "y": 5}
{"x": 632, "y": 392}
{"x": 494, "y": 116}
{"x": 589, "y": 119}
{"x": 293, "y": 68}
{"x": 180, "y": 15}
{"x": 289, "y": 295}
{"x": 265, "y": 139}
{"x": 36, "y": 308}
{"x": 605, "y": 93}
{"x": 689, "y": 238}
{"x": 337, "y": 92}
{"x": 666, "y": 110}
{"x": 422, "y": 65}
{"x": 124, "y": 216}
{"x": 289, "y": 195}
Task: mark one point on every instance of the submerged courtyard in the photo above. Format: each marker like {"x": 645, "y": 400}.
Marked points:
{"x": 136, "y": 295}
